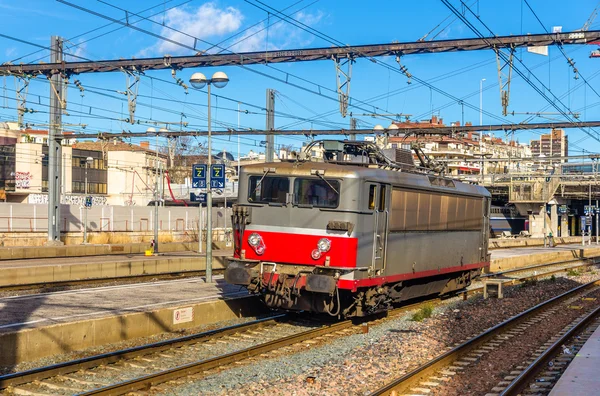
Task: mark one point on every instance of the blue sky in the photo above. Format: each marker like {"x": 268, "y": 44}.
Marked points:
{"x": 102, "y": 107}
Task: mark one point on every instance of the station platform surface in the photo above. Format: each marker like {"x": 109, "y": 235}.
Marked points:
{"x": 581, "y": 376}
{"x": 39, "y": 325}
{"x": 44, "y": 262}
{"x": 64, "y": 269}
{"x": 28, "y": 311}
{"x": 504, "y": 259}
{"x": 523, "y": 251}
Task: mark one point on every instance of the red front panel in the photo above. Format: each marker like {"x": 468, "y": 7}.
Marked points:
{"x": 290, "y": 248}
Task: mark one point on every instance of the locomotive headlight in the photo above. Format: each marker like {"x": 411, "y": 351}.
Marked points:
{"x": 257, "y": 243}
{"x": 254, "y": 239}
{"x": 316, "y": 254}
{"x": 324, "y": 245}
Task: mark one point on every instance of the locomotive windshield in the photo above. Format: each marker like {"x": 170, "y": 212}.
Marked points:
{"x": 268, "y": 189}
{"x": 317, "y": 193}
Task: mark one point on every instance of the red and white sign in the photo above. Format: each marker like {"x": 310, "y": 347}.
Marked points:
{"x": 183, "y": 315}
{"x": 22, "y": 179}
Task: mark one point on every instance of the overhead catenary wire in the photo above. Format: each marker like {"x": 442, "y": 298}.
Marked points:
{"x": 517, "y": 69}
{"x": 319, "y": 88}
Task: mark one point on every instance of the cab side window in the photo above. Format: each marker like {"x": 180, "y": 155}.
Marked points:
{"x": 372, "y": 189}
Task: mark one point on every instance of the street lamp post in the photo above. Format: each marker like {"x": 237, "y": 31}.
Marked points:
{"x": 199, "y": 81}
{"x": 481, "y": 103}
{"x": 480, "y": 124}
{"x": 88, "y": 161}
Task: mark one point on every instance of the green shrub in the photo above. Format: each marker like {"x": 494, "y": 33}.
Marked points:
{"x": 423, "y": 313}
{"x": 573, "y": 272}
{"x": 529, "y": 282}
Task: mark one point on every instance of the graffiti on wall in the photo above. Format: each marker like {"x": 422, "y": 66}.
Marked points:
{"x": 80, "y": 200}
{"x": 22, "y": 179}
{"x": 67, "y": 200}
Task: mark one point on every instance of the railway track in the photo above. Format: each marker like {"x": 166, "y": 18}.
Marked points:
{"x": 452, "y": 368}
{"x": 59, "y": 285}
{"x": 554, "y": 357}
{"x": 514, "y": 281}
{"x": 150, "y": 365}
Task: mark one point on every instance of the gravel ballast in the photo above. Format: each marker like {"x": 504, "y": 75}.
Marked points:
{"x": 361, "y": 363}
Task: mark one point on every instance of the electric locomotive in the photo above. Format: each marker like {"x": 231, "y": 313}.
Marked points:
{"x": 355, "y": 233}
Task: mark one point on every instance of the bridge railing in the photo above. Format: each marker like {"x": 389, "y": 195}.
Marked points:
{"x": 533, "y": 188}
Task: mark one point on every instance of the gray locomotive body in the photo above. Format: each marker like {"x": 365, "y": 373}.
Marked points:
{"x": 352, "y": 240}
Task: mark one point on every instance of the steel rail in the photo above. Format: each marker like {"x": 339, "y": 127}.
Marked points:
{"x": 304, "y": 55}
{"x": 528, "y": 375}
{"x": 409, "y": 380}
{"x": 203, "y": 365}
{"x": 46, "y": 372}
{"x": 516, "y": 281}
{"x": 153, "y": 379}
{"x": 78, "y": 282}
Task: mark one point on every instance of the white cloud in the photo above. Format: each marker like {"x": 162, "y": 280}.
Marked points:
{"x": 213, "y": 24}
{"x": 252, "y": 40}
{"x": 10, "y": 51}
{"x": 203, "y": 22}
{"x": 74, "y": 52}
{"x": 309, "y": 19}
{"x": 280, "y": 35}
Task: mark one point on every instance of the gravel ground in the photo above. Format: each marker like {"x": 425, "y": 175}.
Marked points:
{"x": 360, "y": 363}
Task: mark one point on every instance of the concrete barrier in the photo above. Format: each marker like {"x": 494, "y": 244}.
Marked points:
{"x": 40, "y": 342}
{"x": 22, "y": 275}
{"x": 525, "y": 242}
{"x": 505, "y": 263}
{"x": 12, "y": 253}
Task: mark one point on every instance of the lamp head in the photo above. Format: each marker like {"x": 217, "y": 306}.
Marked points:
{"x": 219, "y": 79}
{"x": 198, "y": 80}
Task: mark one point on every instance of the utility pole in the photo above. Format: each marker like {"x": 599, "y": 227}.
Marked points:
{"x": 270, "y": 124}
{"x": 352, "y": 128}
{"x": 54, "y": 144}
{"x": 545, "y": 214}
{"x": 156, "y": 198}
{"x": 590, "y": 206}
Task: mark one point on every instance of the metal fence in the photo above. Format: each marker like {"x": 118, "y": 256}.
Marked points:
{"x": 34, "y": 218}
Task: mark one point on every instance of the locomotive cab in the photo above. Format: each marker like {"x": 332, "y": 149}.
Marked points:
{"x": 295, "y": 234}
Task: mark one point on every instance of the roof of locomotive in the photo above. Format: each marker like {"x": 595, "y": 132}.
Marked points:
{"x": 403, "y": 178}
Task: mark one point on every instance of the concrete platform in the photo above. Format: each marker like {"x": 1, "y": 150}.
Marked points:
{"x": 15, "y": 253}
{"x": 499, "y": 243}
{"x": 35, "y": 326}
{"x": 19, "y": 272}
{"x": 505, "y": 259}
{"x": 581, "y": 376}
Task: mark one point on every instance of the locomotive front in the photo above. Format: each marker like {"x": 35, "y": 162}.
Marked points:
{"x": 294, "y": 234}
